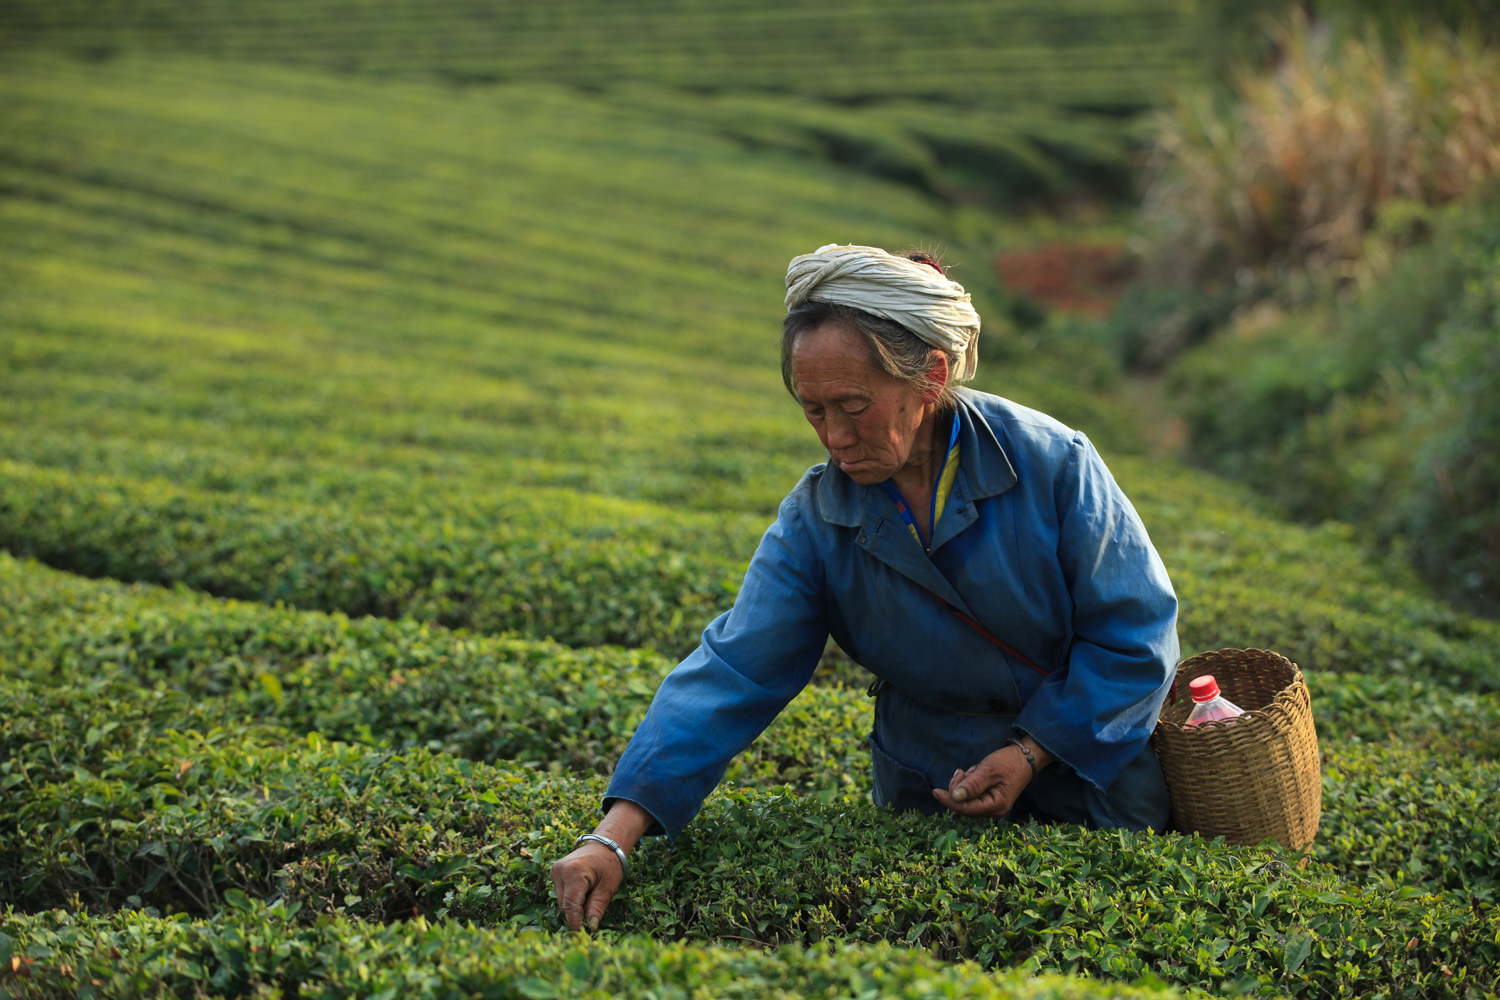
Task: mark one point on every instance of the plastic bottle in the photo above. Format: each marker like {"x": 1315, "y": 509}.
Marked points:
{"x": 1209, "y": 705}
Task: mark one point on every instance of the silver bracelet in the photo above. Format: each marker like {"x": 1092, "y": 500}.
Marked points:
{"x": 1025, "y": 750}
{"x": 619, "y": 853}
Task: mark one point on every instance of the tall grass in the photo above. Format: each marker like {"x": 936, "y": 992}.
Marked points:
{"x": 1291, "y": 172}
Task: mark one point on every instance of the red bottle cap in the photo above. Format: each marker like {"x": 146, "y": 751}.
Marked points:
{"x": 1204, "y": 688}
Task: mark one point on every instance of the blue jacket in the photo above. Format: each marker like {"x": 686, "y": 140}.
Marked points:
{"x": 1036, "y": 542}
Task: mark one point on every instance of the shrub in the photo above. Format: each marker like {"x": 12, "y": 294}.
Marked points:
{"x": 1375, "y": 410}
{"x": 405, "y": 684}
{"x": 113, "y": 791}
{"x": 1245, "y": 579}
{"x": 145, "y": 653}
{"x": 530, "y": 573}
{"x": 253, "y": 948}
{"x": 1294, "y": 172}
{"x": 1358, "y": 708}
{"x": 186, "y": 821}
{"x": 1004, "y": 101}
{"x": 1402, "y": 816}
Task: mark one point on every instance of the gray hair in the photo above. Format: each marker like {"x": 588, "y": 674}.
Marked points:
{"x": 894, "y": 349}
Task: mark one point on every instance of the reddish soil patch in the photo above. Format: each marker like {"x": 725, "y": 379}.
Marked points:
{"x": 1066, "y": 276}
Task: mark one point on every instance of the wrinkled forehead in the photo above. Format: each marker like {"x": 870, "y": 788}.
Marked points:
{"x": 832, "y": 363}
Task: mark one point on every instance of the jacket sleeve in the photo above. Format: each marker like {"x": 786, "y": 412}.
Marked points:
{"x": 1096, "y": 711}
{"x": 753, "y": 660}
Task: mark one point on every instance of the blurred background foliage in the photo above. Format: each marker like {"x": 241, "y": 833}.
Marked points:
{"x": 972, "y": 101}
{"x": 1304, "y": 301}
{"x": 1315, "y": 258}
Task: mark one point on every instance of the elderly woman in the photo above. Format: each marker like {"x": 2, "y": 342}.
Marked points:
{"x": 975, "y": 555}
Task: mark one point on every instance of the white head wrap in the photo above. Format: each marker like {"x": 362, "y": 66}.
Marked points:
{"x": 904, "y": 291}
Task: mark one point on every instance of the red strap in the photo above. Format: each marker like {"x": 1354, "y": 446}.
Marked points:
{"x": 985, "y": 632}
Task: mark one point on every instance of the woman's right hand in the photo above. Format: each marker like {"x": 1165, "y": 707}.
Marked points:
{"x": 587, "y": 879}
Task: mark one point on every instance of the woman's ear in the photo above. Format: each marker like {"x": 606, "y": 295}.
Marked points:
{"x": 937, "y": 376}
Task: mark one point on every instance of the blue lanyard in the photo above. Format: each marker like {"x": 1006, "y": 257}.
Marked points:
{"x": 900, "y": 501}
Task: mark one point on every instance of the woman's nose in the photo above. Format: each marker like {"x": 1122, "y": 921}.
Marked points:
{"x": 842, "y": 436}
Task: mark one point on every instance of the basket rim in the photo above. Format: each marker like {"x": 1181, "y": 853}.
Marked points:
{"x": 1281, "y": 704}
{"x": 1270, "y": 654}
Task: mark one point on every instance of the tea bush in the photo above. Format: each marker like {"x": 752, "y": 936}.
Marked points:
{"x": 576, "y": 292}
{"x": 471, "y": 403}
{"x": 544, "y": 327}
{"x": 1247, "y": 579}
{"x": 530, "y": 574}
{"x": 1359, "y": 708}
{"x": 1395, "y": 815}
{"x": 403, "y": 684}
{"x": 391, "y": 683}
{"x": 253, "y": 947}
{"x": 1072, "y": 53}
{"x": 186, "y": 821}
{"x": 1244, "y": 578}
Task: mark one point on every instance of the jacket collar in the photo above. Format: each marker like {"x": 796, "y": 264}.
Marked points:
{"x": 985, "y": 466}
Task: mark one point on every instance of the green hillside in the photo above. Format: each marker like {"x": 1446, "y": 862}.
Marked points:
{"x": 1015, "y": 101}
{"x": 371, "y": 349}
{"x": 1080, "y": 53}
{"x": 407, "y": 418}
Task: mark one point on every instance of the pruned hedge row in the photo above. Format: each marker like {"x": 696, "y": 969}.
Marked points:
{"x": 1401, "y": 815}
{"x": 370, "y": 680}
{"x": 1405, "y": 710}
{"x": 253, "y": 949}
{"x": 1413, "y": 813}
{"x": 141, "y": 660}
{"x": 186, "y": 821}
{"x": 817, "y": 744}
{"x": 531, "y": 570}
{"x": 656, "y": 577}
{"x": 1006, "y": 55}
{"x": 401, "y": 683}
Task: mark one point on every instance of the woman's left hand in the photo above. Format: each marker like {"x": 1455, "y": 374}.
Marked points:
{"x": 991, "y": 787}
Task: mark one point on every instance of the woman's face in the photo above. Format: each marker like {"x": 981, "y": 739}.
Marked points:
{"x": 867, "y": 420}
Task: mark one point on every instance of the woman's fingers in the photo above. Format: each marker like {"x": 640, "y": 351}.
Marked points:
{"x": 585, "y": 882}
{"x": 958, "y": 777}
{"x": 976, "y": 780}
{"x": 593, "y": 911}
{"x": 989, "y": 788}
{"x": 992, "y": 803}
{"x": 572, "y": 878}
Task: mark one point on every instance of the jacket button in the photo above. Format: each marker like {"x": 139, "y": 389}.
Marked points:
{"x": 998, "y": 705}
{"x": 861, "y": 539}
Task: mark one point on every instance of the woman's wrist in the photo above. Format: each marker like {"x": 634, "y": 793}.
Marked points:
{"x": 1032, "y": 753}
{"x": 1042, "y": 757}
{"x": 625, "y": 823}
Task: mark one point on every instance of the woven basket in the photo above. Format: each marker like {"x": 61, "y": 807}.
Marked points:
{"x": 1253, "y": 779}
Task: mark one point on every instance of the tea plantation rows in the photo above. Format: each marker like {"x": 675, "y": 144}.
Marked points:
{"x": 170, "y": 751}
{"x": 1014, "y": 98}
{"x": 1069, "y": 52}
{"x": 583, "y": 570}
{"x": 425, "y": 431}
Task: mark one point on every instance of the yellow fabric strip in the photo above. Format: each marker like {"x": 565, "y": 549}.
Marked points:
{"x": 945, "y": 487}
